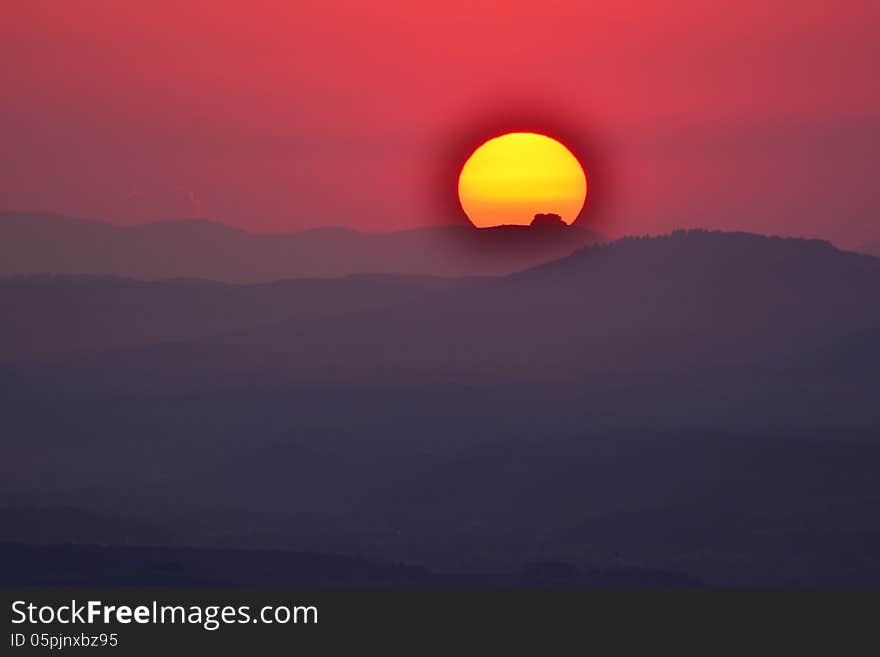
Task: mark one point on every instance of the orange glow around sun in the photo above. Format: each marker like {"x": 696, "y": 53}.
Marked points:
{"x": 511, "y": 178}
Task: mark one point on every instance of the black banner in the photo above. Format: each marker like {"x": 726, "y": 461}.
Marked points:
{"x": 124, "y": 621}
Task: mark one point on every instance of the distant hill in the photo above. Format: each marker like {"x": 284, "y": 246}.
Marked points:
{"x": 68, "y": 316}
{"x": 109, "y": 565}
{"x": 52, "y": 244}
{"x": 689, "y": 301}
{"x": 59, "y": 525}
{"x": 103, "y": 565}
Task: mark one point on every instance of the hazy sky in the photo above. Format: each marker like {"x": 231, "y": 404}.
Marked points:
{"x": 759, "y": 116}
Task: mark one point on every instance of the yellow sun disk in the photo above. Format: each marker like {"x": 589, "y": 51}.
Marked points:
{"x": 511, "y": 178}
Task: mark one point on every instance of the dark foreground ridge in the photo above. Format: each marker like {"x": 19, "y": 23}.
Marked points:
{"x": 91, "y": 565}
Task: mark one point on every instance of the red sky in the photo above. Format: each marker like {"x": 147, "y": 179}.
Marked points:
{"x": 759, "y": 116}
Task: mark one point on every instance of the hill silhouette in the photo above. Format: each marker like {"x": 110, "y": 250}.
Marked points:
{"x": 64, "y": 525}
{"x": 700, "y": 403}
{"x": 548, "y": 221}
{"x": 52, "y": 244}
{"x": 94, "y": 565}
{"x": 66, "y": 316}
{"x": 689, "y": 301}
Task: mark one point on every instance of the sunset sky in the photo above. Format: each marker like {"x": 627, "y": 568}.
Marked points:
{"x": 760, "y": 116}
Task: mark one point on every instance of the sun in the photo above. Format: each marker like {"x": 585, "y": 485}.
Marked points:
{"x": 511, "y": 178}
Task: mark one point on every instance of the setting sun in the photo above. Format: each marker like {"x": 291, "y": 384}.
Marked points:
{"x": 511, "y": 178}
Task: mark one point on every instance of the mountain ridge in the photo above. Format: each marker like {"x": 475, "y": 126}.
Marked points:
{"x": 686, "y": 301}
{"x": 200, "y": 248}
